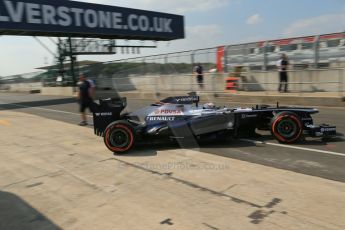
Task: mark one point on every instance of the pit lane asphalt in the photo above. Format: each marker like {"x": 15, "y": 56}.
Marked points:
{"x": 312, "y": 157}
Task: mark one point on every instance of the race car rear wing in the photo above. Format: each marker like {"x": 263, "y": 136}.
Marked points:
{"x": 106, "y": 112}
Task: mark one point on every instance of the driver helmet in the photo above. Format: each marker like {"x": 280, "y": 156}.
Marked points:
{"x": 209, "y": 106}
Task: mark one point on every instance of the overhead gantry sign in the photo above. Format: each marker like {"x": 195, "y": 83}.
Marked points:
{"x": 64, "y": 18}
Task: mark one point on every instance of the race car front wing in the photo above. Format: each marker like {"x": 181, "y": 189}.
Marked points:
{"x": 323, "y": 130}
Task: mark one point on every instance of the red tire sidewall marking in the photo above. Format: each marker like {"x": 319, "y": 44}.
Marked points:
{"x": 281, "y": 138}
{"x": 128, "y": 130}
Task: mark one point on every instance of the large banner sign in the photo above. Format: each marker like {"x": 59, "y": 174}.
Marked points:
{"x": 77, "y": 19}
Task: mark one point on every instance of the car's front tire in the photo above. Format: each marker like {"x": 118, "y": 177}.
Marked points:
{"x": 286, "y": 127}
{"x": 119, "y": 137}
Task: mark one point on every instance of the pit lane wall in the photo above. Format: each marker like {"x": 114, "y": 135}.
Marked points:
{"x": 328, "y": 80}
{"x": 309, "y": 80}
{"x": 308, "y": 86}
{"x": 22, "y": 87}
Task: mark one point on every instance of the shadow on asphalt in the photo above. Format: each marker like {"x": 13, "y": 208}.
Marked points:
{"x": 152, "y": 149}
{"x": 16, "y": 214}
{"x": 305, "y": 164}
{"x": 308, "y": 141}
{"x": 148, "y": 150}
{"x": 33, "y": 104}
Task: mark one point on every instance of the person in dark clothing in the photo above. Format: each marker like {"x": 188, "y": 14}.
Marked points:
{"x": 85, "y": 97}
{"x": 282, "y": 65}
{"x": 199, "y": 72}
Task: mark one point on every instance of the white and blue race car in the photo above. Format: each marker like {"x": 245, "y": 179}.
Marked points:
{"x": 182, "y": 119}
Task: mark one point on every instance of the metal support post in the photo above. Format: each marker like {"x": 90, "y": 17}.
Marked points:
{"x": 72, "y": 64}
{"x": 192, "y": 77}
{"x": 225, "y": 60}
{"x": 316, "y": 52}
{"x": 266, "y": 82}
{"x": 264, "y": 66}
{"x": 297, "y": 84}
{"x": 61, "y": 60}
{"x": 340, "y": 81}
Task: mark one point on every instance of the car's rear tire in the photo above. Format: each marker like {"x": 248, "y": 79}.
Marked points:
{"x": 119, "y": 137}
{"x": 286, "y": 127}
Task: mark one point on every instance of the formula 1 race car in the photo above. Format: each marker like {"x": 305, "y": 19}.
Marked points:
{"x": 183, "y": 119}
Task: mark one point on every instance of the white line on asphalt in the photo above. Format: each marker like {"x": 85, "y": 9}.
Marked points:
{"x": 44, "y": 109}
{"x": 294, "y": 147}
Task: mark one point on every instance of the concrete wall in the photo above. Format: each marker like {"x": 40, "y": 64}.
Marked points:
{"x": 300, "y": 81}
{"x": 57, "y": 91}
{"x": 23, "y": 87}
{"x": 163, "y": 83}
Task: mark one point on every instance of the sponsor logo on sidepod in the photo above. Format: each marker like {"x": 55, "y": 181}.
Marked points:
{"x": 244, "y": 116}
